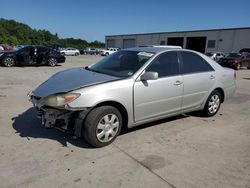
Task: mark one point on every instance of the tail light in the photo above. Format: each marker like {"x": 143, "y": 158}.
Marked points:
{"x": 235, "y": 75}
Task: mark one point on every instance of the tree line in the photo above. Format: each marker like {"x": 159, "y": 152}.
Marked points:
{"x": 15, "y": 33}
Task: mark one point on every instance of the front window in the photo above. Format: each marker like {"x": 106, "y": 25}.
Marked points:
{"x": 122, "y": 64}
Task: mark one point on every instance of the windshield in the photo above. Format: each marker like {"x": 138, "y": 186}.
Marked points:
{"x": 234, "y": 55}
{"x": 122, "y": 64}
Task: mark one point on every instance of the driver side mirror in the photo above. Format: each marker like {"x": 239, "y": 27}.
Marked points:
{"x": 149, "y": 76}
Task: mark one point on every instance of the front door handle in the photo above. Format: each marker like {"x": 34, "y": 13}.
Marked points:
{"x": 212, "y": 77}
{"x": 177, "y": 83}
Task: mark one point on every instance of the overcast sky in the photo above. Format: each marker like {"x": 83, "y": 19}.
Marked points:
{"x": 92, "y": 20}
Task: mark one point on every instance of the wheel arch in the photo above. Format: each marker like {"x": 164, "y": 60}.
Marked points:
{"x": 221, "y": 92}
{"x": 10, "y": 56}
{"x": 119, "y": 107}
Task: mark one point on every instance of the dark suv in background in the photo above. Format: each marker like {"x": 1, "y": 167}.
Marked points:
{"x": 31, "y": 55}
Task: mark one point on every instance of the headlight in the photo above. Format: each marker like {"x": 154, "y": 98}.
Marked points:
{"x": 60, "y": 99}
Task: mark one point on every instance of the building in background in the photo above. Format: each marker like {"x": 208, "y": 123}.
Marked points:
{"x": 224, "y": 40}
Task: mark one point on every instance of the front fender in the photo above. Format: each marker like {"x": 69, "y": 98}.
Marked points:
{"x": 120, "y": 91}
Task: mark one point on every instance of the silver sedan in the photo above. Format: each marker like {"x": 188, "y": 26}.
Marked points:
{"x": 132, "y": 87}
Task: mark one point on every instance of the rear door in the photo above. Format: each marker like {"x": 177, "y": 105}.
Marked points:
{"x": 198, "y": 79}
{"x": 163, "y": 96}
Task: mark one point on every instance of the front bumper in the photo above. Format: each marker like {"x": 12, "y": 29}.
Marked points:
{"x": 62, "y": 119}
{"x": 61, "y": 59}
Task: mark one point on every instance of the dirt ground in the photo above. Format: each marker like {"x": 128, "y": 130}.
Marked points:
{"x": 184, "y": 151}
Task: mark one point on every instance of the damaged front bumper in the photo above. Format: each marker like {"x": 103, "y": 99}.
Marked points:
{"x": 64, "y": 118}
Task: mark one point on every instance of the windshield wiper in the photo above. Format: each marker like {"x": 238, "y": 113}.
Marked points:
{"x": 87, "y": 68}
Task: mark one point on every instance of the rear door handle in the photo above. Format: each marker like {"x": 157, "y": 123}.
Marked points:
{"x": 212, "y": 77}
{"x": 177, "y": 83}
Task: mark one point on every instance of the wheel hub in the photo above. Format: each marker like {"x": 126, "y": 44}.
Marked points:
{"x": 107, "y": 128}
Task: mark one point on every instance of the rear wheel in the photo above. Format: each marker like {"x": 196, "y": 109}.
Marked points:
{"x": 102, "y": 126}
{"x": 213, "y": 104}
{"x": 52, "y": 61}
{"x": 8, "y": 62}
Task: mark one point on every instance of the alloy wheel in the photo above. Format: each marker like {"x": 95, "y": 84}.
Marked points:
{"x": 214, "y": 104}
{"x": 107, "y": 128}
{"x": 52, "y": 61}
{"x": 8, "y": 62}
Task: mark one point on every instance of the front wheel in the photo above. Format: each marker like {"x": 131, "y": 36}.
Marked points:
{"x": 102, "y": 126}
{"x": 213, "y": 104}
{"x": 52, "y": 61}
{"x": 76, "y": 54}
{"x": 8, "y": 62}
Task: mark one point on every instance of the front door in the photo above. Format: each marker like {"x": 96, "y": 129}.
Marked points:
{"x": 23, "y": 56}
{"x": 159, "y": 97}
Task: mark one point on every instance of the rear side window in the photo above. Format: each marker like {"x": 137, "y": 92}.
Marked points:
{"x": 193, "y": 63}
{"x": 165, "y": 64}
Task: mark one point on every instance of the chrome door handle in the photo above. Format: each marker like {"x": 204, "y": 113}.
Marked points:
{"x": 177, "y": 83}
{"x": 212, "y": 77}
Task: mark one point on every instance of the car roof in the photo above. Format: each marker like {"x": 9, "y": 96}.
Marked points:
{"x": 153, "y": 49}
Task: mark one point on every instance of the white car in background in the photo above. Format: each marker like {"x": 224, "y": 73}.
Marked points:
{"x": 216, "y": 56}
{"x": 70, "y": 51}
{"x": 109, "y": 51}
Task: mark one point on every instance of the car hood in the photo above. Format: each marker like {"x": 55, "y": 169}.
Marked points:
{"x": 69, "y": 80}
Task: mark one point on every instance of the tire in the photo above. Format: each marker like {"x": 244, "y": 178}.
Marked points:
{"x": 107, "y": 54}
{"x": 8, "y": 62}
{"x": 248, "y": 67}
{"x": 213, "y": 104}
{"x": 52, "y": 61}
{"x": 102, "y": 125}
{"x": 76, "y": 54}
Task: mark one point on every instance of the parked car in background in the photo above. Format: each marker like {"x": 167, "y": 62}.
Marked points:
{"x": 109, "y": 51}
{"x": 244, "y": 50}
{"x": 129, "y": 88}
{"x": 70, "y": 51}
{"x": 31, "y": 55}
{"x": 216, "y": 56}
{"x": 90, "y": 51}
{"x": 236, "y": 60}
